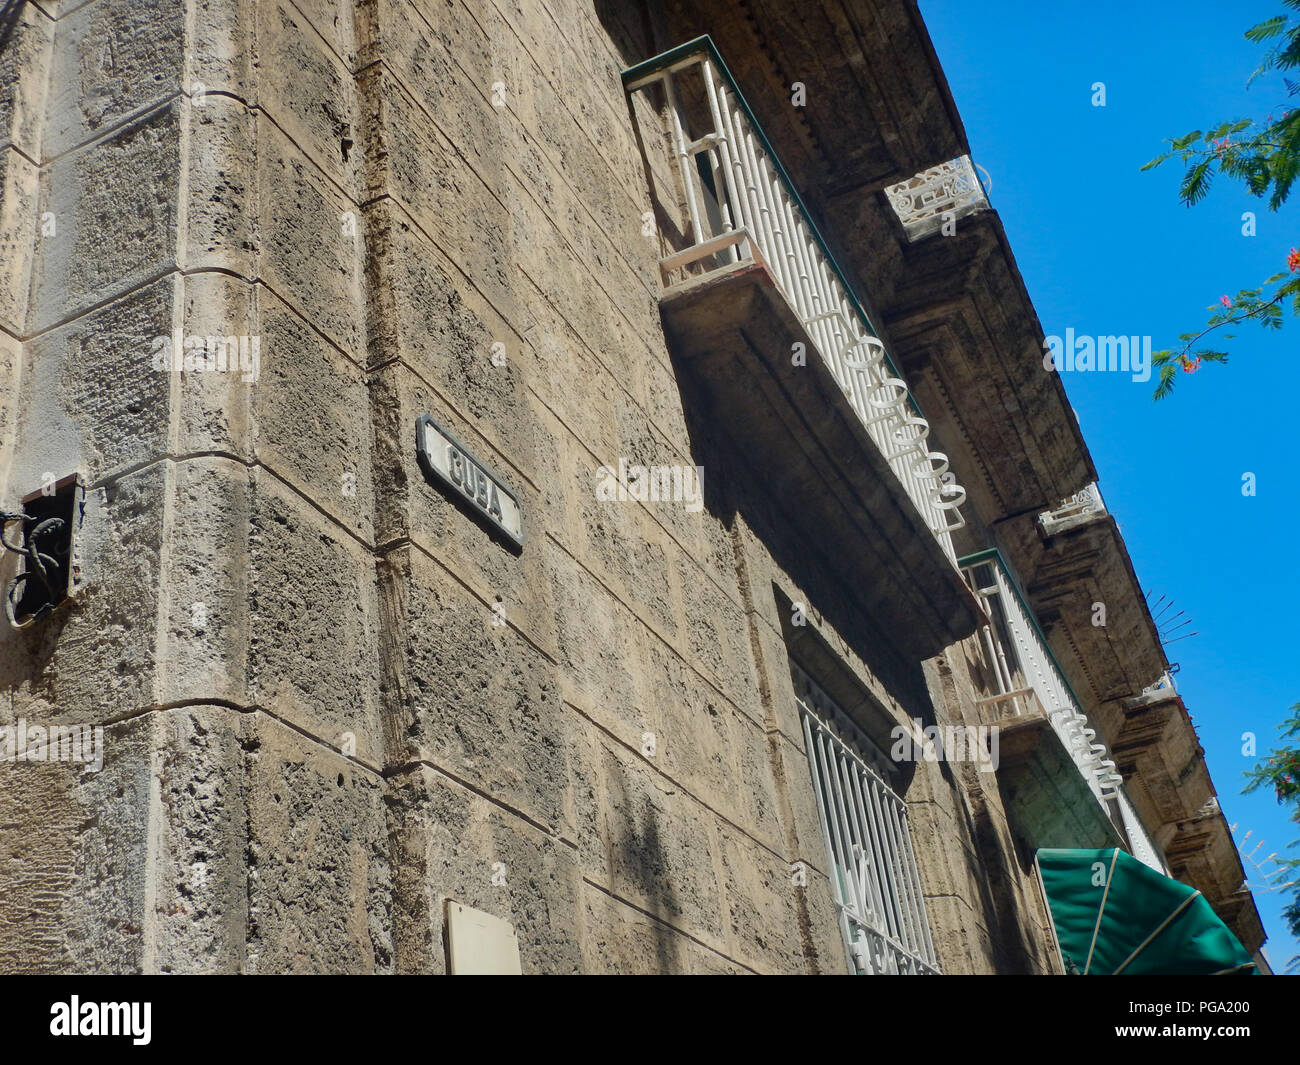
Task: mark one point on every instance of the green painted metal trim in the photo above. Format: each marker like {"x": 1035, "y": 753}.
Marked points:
{"x": 705, "y": 43}
{"x": 666, "y": 59}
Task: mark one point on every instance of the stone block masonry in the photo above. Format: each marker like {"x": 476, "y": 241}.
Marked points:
{"x": 332, "y": 699}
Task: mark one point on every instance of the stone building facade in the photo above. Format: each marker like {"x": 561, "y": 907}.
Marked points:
{"x": 248, "y": 245}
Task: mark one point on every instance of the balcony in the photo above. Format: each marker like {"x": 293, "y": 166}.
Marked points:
{"x": 937, "y": 197}
{"x": 1030, "y": 689}
{"x": 1027, "y": 680}
{"x": 1083, "y": 506}
{"x": 1057, "y": 778}
{"x": 789, "y": 362}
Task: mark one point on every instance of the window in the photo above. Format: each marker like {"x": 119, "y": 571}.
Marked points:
{"x": 864, "y": 825}
{"x": 44, "y": 537}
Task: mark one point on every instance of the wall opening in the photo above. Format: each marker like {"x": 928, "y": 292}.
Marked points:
{"x": 43, "y": 534}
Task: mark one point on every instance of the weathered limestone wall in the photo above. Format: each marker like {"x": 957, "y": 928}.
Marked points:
{"x": 331, "y": 702}
{"x": 518, "y": 220}
{"x": 226, "y": 634}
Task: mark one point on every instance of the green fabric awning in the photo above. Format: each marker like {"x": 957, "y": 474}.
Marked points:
{"x": 1116, "y": 916}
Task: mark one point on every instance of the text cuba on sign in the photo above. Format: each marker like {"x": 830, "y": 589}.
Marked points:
{"x": 452, "y": 466}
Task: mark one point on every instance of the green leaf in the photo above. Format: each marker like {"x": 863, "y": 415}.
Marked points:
{"x": 1166, "y": 385}
{"x": 1267, "y": 29}
{"x": 1196, "y": 183}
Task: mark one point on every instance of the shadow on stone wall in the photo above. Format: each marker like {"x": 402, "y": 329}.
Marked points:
{"x": 1000, "y": 874}
{"x": 641, "y": 854}
{"x": 25, "y": 656}
{"x": 734, "y": 486}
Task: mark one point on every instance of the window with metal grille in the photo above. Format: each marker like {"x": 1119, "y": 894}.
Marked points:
{"x": 45, "y": 539}
{"x": 864, "y": 825}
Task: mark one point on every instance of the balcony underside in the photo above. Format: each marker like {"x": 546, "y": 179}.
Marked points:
{"x": 966, "y": 334}
{"x": 1047, "y": 799}
{"x": 1085, "y": 564}
{"x": 1202, "y": 853}
{"x": 1157, "y": 742}
{"x": 733, "y": 332}
{"x": 894, "y": 113}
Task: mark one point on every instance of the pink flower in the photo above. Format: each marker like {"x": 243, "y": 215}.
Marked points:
{"x": 1225, "y": 301}
{"x": 1190, "y": 365}
{"x": 1293, "y": 260}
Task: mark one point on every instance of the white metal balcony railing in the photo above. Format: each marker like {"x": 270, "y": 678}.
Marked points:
{"x": 1033, "y": 675}
{"x": 1085, "y": 503}
{"x": 742, "y": 206}
{"x": 943, "y": 193}
{"x": 864, "y": 826}
{"x": 1140, "y": 843}
{"x": 1164, "y": 682}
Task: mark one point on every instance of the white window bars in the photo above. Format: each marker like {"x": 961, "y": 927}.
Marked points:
{"x": 941, "y": 193}
{"x": 1030, "y": 673}
{"x": 742, "y": 206}
{"x": 864, "y": 826}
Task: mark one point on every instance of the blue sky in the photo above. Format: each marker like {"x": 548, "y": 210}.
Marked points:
{"x": 1108, "y": 250}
